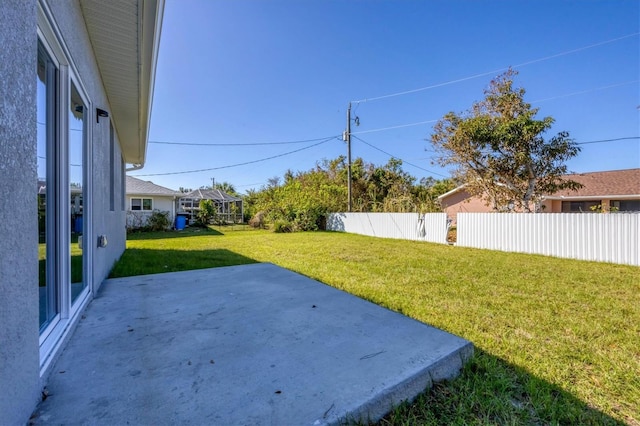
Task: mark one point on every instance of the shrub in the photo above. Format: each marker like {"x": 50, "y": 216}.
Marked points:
{"x": 257, "y": 221}
{"x": 158, "y": 221}
{"x": 309, "y": 219}
{"x": 282, "y": 226}
{"x": 207, "y": 212}
{"x": 136, "y": 221}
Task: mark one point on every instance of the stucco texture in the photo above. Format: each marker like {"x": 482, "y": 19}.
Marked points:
{"x": 21, "y": 374}
{"x": 19, "y": 364}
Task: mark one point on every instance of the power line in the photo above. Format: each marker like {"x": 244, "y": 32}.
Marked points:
{"x": 608, "y": 140}
{"x": 446, "y": 83}
{"x": 533, "y": 102}
{"x": 585, "y": 91}
{"x": 73, "y": 129}
{"x": 394, "y": 156}
{"x": 586, "y": 142}
{"x": 244, "y": 144}
{"x": 393, "y": 127}
{"x": 577, "y": 143}
{"x": 238, "y": 164}
{"x": 436, "y": 156}
{"x": 250, "y": 184}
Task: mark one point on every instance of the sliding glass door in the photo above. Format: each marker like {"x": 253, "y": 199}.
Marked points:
{"x": 77, "y": 137}
{"x": 62, "y": 141}
{"x": 47, "y": 84}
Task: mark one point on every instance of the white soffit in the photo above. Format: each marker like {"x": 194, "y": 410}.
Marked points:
{"x": 125, "y": 36}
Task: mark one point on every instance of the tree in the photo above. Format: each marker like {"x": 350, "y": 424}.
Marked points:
{"x": 226, "y": 187}
{"x": 389, "y": 187}
{"x": 273, "y": 182}
{"x": 427, "y": 191}
{"x": 303, "y": 200}
{"x": 207, "y": 212}
{"x": 499, "y": 150}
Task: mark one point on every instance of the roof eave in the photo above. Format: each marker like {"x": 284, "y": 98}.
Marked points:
{"x": 147, "y": 194}
{"x": 592, "y": 197}
{"x": 151, "y": 29}
{"x": 125, "y": 42}
{"x": 453, "y": 191}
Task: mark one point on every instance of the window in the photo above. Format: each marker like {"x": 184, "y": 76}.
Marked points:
{"x": 626, "y": 205}
{"x": 145, "y": 204}
{"x": 579, "y": 206}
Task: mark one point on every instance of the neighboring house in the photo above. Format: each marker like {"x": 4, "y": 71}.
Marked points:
{"x": 143, "y": 197}
{"x": 229, "y": 208}
{"x": 458, "y": 200}
{"x": 76, "y": 85}
{"x": 615, "y": 190}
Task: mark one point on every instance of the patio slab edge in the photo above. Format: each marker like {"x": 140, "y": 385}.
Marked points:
{"x": 250, "y": 344}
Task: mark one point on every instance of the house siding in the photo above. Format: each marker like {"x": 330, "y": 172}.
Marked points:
{"x": 603, "y": 188}
{"x": 463, "y": 202}
{"x": 21, "y": 373}
{"x": 160, "y": 202}
{"x": 19, "y": 361}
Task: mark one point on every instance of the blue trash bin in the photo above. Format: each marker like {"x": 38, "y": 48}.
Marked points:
{"x": 181, "y": 222}
{"x": 78, "y": 224}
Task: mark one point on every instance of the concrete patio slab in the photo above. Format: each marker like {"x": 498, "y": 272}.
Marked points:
{"x": 253, "y": 344}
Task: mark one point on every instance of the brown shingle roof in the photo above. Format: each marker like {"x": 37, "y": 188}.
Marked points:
{"x": 614, "y": 182}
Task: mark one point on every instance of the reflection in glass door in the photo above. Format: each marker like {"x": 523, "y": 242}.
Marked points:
{"x": 46, "y": 186}
{"x": 77, "y": 136}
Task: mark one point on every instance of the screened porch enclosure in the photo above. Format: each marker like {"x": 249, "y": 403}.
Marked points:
{"x": 229, "y": 209}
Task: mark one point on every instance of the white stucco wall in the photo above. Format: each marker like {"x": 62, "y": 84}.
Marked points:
{"x": 19, "y": 360}
{"x": 21, "y": 374}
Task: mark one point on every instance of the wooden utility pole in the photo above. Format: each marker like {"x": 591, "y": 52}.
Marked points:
{"x": 347, "y": 138}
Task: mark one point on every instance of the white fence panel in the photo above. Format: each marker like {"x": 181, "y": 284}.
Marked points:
{"x": 430, "y": 227}
{"x": 586, "y": 236}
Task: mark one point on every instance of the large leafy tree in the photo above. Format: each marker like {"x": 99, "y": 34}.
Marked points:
{"x": 499, "y": 150}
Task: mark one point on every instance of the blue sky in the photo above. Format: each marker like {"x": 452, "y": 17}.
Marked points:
{"x": 247, "y": 71}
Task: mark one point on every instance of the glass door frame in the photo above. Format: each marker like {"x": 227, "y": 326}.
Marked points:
{"x": 58, "y": 225}
{"x": 87, "y": 237}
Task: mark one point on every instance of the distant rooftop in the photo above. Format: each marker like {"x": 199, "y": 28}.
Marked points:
{"x": 210, "y": 194}
{"x": 595, "y": 184}
{"x": 143, "y": 187}
{"x": 612, "y": 182}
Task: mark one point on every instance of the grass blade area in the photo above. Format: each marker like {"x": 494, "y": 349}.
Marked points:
{"x": 557, "y": 341}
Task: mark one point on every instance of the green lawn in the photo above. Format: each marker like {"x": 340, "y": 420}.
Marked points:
{"x": 557, "y": 341}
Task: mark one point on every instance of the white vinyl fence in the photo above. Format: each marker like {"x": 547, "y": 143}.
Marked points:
{"x": 613, "y": 237}
{"x": 430, "y": 227}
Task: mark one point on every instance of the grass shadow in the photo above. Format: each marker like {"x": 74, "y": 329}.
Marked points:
{"x": 490, "y": 390}
{"x": 155, "y": 261}
{"x": 192, "y": 231}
